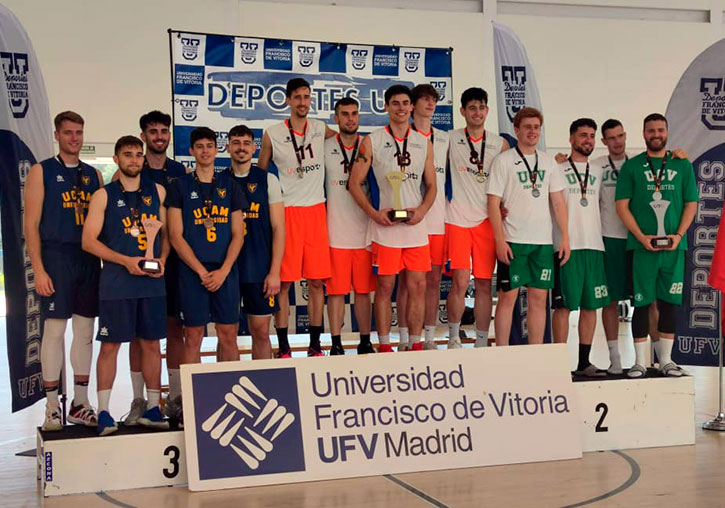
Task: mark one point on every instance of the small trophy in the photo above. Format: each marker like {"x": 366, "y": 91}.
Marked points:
{"x": 149, "y": 264}
{"x": 659, "y": 207}
{"x": 398, "y": 213}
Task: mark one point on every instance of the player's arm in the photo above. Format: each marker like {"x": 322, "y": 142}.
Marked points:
{"x": 630, "y": 223}
{"x": 429, "y": 179}
{"x": 265, "y": 152}
{"x": 179, "y": 243}
{"x": 503, "y": 250}
{"x": 505, "y": 146}
{"x": 92, "y": 228}
{"x": 329, "y": 132}
{"x": 276, "y": 218}
{"x": 34, "y": 195}
{"x": 561, "y": 216}
{"x": 100, "y": 177}
{"x": 164, "y": 232}
{"x": 217, "y": 277}
{"x": 359, "y": 172}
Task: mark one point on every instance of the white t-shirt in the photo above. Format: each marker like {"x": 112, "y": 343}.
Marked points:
{"x": 585, "y": 231}
{"x": 612, "y": 225}
{"x": 308, "y": 190}
{"x": 435, "y": 218}
{"x": 528, "y": 220}
{"x": 411, "y": 190}
{"x": 347, "y": 223}
{"x": 468, "y": 206}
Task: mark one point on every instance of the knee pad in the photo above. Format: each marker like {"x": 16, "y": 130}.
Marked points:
{"x": 81, "y": 349}
{"x": 51, "y": 349}
{"x": 666, "y": 321}
{"x": 640, "y": 322}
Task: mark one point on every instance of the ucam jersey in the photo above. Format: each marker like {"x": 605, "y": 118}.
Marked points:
{"x": 585, "y": 228}
{"x": 528, "y": 220}
{"x": 347, "y": 223}
{"x": 435, "y": 219}
{"x": 309, "y": 189}
{"x": 411, "y": 192}
{"x": 468, "y": 205}
{"x": 612, "y": 225}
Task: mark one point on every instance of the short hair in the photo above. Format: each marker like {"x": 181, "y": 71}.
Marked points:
{"x": 125, "y": 141}
{"x": 296, "y": 83}
{"x": 654, "y": 117}
{"x": 610, "y": 124}
{"x": 473, "y": 94}
{"x": 346, "y": 101}
{"x": 424, "y": 90}
{"x": 239, "y": 131}
{"x": 154, "y": 116}
{"x": 397, "y": 90}
{"x": 582, "y": 122}
{"x": 201, "y": 133}
{"x": 70, "y": 116}
{"x": 527, "y": 113}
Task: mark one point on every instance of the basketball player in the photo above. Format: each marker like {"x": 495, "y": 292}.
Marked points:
{"x": 57, "y": 192}
{"x": 469, "y": 235}
{"x": 525, "y": 181}
{"x": 296, "y": 149}
{"x": 206, "y": 229}
{"x": 402, "y": 157}
{"x": 260, "y": 260}
{"x": 348, "y": 228}
{"x": 656, "y": 192}
{"x": 132, "y": 301}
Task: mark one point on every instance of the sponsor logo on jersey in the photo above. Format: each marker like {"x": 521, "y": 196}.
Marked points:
{"x": 146, "y": 200}
{"x": 252, "y": 187}
{"x": 412, "y": 60}
{"x": 713, "y": 103}
{"x": 51, "y": 306}
{"x": 248, "y": 52}
{"x": 193, "y": 195}
{"x": 440, "y": 87}
{"x": 514, "y": 83}
{"x": 15, "y": 69}
{"x": 307, "y": 55}
{"x": 190, "y": 48}
{"x": 120, "y": 203}
{"x": 222, "y": 193}
{"x": 59, "y": 178}
{"x": 86, "y": 180}
{"x": 359, "y": 58}
{"x": 189, "y": 109}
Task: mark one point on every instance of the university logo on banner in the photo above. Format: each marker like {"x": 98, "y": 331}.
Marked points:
{"x": 248, "y": 52}
{"x": 359, "y": 58}
{"x": 222, "y": 138}
{"x": 190, "y": 48}
{"x": 189, "y": 108}
{"x": 713, "y": 103}
{"x": 15, "y": 70}
{"x": 513, "y": 79}
{"x": 411, "y": 60}
{"x": 248, "y": 425}
{"x": 306, "y": 55}
{"x": 440, "y": 87}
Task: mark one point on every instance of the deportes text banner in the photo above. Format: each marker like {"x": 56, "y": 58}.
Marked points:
{"x": 25, "y": 138}
{"x": 264, "y": 422}
{"x": 696, "y": 117}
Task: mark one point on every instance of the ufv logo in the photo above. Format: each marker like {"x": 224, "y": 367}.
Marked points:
{"x": 669, "y": 176}
{"x": 307, "y": 55}
{"x": 248, "y": 52}
{"x": 190, "y": 48}
{"x": 440, "y": 87}
{"x": 222, "y": 138}
{"x": 189, "y": 108}
{"x": 15, "y": 69}
{"x": 359, "y": 58}
{"x": 573, "y": 180}
{"x": 514, "y": 85}
{"x": 713, "y": 103}
{"x": 412, "y": 60}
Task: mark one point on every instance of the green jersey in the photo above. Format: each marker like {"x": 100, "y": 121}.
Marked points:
{"x": 637, "y": 183}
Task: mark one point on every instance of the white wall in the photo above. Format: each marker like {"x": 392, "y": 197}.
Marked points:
{"x": 109, "y": 60}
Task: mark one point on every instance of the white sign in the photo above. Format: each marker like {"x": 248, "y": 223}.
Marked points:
{"x": 272, "y": 421}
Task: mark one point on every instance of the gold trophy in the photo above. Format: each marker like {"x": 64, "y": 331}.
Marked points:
{"x": 150, "y": 264}
{"x": 398, "y": 213}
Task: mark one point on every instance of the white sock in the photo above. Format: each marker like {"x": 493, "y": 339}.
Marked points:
{"x": 414, "y": 339}
{"x": 383, "y": 339}
{"x": 154, "y": 397}
{"x": 403, "y": 331}
{"x": 52, "y": 397}
{"x": 174, "y": 383}
{"x": 80, "y": 393}
{"x": 430, "y": 333}
{"x": 137, "y": 383}
{"x": 104, "y": 397}
{"x": 453, "y": 329}
{"x": 614, "y": 358}
{"x": 640, "y": 353}
{"x": 481, "y": 338}
{"x": 664, "y": 351}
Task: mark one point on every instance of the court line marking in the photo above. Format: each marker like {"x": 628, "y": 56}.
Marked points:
{"x": 113, "y": 501}
{"x": 633, "y": 477}
{"x": 417, "y": 492}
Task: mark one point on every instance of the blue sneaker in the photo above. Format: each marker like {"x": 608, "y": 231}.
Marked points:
{"x": 106, "y": 424}
{"x": 153, "y": 419}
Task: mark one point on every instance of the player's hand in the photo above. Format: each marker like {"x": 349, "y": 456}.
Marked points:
{"x": 215, "y": 279}
{"x": 271, "y": 284}
{"x": 381, "y": 217}
{"x": 416, "y": 218}
{"x": 132, "y": 265}
{"x": 504, "y": 211}
{"x": 675, "y": 242}
{"x": 646, "y": 241}
{"x": 43, "y": 284}
{"x": 161, "y": 273}
{"x": 564, "y": 252}
{"x": 504, "y": 252}
{"x": 561, "y": 157}
{"x": 680, "y": 153}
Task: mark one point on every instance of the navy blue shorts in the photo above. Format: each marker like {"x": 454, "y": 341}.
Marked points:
{"x": 254, "y": 303}
{"x": 171, "y": 276}
{"x": 199, "y": 306}
{"x": 75, "y": 276}
{"x": 133, "y": 318}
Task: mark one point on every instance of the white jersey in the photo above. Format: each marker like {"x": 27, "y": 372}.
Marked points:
{"x": 435, "y": 218}
{"x": 468, "y": 206}
{"x": 528, "y": 220}
{"x": 308, "y": 190}
{"x": 612, "y": 225}
{"x": 411, "y": 190}
{"x": 585, "y": 229}
{"x": 347, "y": 223}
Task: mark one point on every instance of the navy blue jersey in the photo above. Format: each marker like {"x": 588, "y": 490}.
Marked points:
{"x": 209, "y": 244}
{"x": 256, "y": 255}
{"x": 116, "y": 283}
{"x": 60, "y": 222}
{"x": 166, "y": 175}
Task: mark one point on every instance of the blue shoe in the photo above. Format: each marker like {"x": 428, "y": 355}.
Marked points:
{"x": 106, "y": 424}
{"x": 153, "y": 419}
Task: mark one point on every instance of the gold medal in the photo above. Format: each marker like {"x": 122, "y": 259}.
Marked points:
{"x": 135, "y": 231}
{"x": 481, "y": 177}
{"x": 208, "y": 223}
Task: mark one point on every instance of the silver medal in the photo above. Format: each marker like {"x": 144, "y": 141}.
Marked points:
{"x": 584, "y": 202}
{"x": 535, "y": 192}
{"x": 656, "y": 196}
{"x": 481, "y": 177}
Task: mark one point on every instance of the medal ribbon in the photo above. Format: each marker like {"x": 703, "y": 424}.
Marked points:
{"x": 475, "y": 158}
{"x": 403, "y": 155}
{"x": 657, "y": 176}
{"x": 614, "y": 168}
{"x": 76, "y": 181}
{"x": 207, "y": 199}
{"x": 533, "y": 175}
{"x": 133, "y": 209}
{"x": 347, "y": 163}
{"x": 582, "y": 185}
{"x": 295, "y": 146}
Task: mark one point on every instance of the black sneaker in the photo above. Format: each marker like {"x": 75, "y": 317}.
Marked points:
{"x": 337, "y": 350}
{"x": 315, "y": 351}
{"x": 365, "y": 348}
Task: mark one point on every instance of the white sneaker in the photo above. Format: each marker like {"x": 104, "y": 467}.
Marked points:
{"x": 53, "y": 421}
{"x": 454, "y": 343}
{"x": 138, "y": 408}
{"x": 430, "y": 345}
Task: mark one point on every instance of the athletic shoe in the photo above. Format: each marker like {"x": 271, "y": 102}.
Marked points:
{"x": 153, "y": 419}
{"x": 417, "y": 346}
{"x": 615, "y": 371}
{"x": 173, "y": 408}
{"x": 590, "y": 371}
{"x": 138, "y": 408}
{"x": 454, "y": 343}
{"x": 637, "y": 371}
{"x": 385, "y": 348}
{"x": 430, "y": 345}
{"x": 106, "y": 424}
{"x": 284, "y": 354}
{"x": 314, "y": 351}
{"x": 365, "y": 348}
{"x": 53, "y": 421}
{"x": 403, "y": 346}
{"x": 671, "y": 369}
{"x": 337, "y": 350}
{"x": 82, "y": 415}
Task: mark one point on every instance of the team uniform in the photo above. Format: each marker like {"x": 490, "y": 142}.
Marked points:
{"x": 261, "y": 189}
{"x": 582, "y": 281}
{"x": 348, "y": 225}
{"x": 199, "y": 305}
{"x": 436, "y": 216}
{"x": 130, "y": 305}
{"x": 306, "y": 249}
{"x": 399, "y": 246}
{"x": 528, "y": 225}
{"x": 657, "y": 275}
{"x": 468, "y": 231}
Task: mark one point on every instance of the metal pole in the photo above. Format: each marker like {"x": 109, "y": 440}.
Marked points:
{"x": 718, "y": 423}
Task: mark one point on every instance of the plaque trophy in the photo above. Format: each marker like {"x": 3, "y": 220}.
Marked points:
{"x": 398, "y": 213}
{"x": 149, "y": 264}
{"x": 659, "y": 207}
